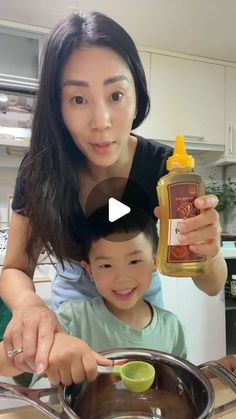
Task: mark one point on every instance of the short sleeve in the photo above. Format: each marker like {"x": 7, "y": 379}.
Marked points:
{"x": 180, "y": 348}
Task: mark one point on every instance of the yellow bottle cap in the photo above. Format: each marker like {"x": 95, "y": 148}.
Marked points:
{"x": 180, "y": 158}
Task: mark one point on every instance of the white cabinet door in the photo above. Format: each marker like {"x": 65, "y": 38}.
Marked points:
{"x": 204, "y": 320}
{"x": 202, "y": 316}
{"x": 230, "y": 136}
{"x": 144, "y": 129}
{"x": 169, "y": 293}
{"x": 187, "y": 97}
{"x": 43, "y": 276}
{"x": 22, "y": 51}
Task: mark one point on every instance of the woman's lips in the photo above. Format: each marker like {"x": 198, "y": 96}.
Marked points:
{"x": 103, "y": 148}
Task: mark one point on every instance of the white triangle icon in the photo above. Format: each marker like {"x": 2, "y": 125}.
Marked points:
{"x": 116, "y": 209}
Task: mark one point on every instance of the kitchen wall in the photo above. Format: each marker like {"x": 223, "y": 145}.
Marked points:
{"x": 7, "y": 182}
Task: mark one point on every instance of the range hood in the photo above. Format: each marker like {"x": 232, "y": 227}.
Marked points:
{"x": 19, "y": 84}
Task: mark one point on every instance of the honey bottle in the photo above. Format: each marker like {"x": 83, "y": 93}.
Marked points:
{"x": 176, "y": 194}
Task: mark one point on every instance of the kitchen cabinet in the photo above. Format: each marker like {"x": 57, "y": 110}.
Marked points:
{"x": 43, "y": 276}
{"x": 202, "y": 316}
{"x": 187, "y": 97}
{"x": 230, "y": 143}
{"x": 24, "y": 47}
{"x": 229, "y": 156}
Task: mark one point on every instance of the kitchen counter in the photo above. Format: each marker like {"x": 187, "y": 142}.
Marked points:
{"x": 223, "y": 395}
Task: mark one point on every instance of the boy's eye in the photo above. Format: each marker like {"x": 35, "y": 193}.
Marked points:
{"x": 134, "y": 261}
{"x": 105, "y": 266}
{"x": 78, "y": 99}
{"x": 116, "y": 96}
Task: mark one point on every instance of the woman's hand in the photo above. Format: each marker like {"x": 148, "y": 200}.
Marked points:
{"x": 72, "y": 361}
{"x": 229, "y": 362}
{"x": 201, "y": 233}
{"x": 32, "y": 328}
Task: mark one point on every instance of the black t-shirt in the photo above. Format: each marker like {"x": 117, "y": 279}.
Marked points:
{"x": 149, "y": 164}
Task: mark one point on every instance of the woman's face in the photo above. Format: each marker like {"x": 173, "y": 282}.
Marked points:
{"x": 98, "y": 103}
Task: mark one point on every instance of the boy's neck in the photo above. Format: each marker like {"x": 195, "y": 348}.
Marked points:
{"x": 138, "y": 317}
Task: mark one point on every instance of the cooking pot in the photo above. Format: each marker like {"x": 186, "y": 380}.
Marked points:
{"x": 180, "y": 391}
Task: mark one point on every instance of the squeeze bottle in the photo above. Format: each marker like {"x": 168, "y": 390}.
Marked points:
{"x": 176, "y": 194}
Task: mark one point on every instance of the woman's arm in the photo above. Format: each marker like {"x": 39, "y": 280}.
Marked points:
{"x": 33, "y": 324}
{"x": 229, "y": 362}
{"x": 202, "y": 234}
{"x": 213, "y": 282}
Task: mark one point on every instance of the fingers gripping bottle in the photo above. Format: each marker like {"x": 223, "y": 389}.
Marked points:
{"x": 176, "y": 194}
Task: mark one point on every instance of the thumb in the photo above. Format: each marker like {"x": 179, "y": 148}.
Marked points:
{"x": 157, "y": 212}
{"x": 101, "y": 360}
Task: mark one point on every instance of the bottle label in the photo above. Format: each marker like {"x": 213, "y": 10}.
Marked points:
{"x": 181, "y": 206}
{"x": 233, "y": 288}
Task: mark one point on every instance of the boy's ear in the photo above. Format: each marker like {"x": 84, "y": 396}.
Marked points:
{"x": 154, "y": 266}
{"x": 86, "y": 266}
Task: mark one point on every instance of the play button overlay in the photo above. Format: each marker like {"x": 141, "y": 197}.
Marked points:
{"x": 116, "y": 209}
{"x": 115, "y": 204}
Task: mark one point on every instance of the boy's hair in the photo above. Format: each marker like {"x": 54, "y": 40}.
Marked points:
{"x": 135, "y": 222}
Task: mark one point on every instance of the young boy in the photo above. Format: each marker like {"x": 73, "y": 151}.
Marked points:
{"x": 120, "y": 258}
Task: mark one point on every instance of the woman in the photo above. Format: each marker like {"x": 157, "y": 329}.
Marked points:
{"x": 92, "y": 94}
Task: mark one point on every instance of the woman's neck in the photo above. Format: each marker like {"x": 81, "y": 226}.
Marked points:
{"x": 121, "y": 168}
{"x": 91, "y": 176}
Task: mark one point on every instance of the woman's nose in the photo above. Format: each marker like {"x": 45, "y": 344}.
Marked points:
{"x": 101, "y": 118}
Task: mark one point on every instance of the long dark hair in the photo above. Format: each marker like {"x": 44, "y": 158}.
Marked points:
{"x": 50, "y": 171}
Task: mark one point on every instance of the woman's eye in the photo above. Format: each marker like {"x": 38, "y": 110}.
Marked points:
{"x": 116, "y": 96}
{"x": 105, "y": 266}
{"x": 78, "y": 99}
{"x": 134, "y": 262}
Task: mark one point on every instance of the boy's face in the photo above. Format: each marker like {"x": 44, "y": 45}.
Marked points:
{"x": 121, "y": 270}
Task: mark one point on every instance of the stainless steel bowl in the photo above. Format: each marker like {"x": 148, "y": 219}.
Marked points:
{"x": 180, "y": 391}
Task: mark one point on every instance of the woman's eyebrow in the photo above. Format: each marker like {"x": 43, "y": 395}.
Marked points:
{"x": 114, "y": 79}
{"x": 83, "y": 83}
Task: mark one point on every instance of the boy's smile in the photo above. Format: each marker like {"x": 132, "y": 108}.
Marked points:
{"x": 124, "y": 294}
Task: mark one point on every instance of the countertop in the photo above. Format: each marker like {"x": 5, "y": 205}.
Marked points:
{"x": 223, "y": 395}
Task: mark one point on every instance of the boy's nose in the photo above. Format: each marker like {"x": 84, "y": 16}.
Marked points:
{"x": 101, "y": 118}
{"x": 121, "y": 278}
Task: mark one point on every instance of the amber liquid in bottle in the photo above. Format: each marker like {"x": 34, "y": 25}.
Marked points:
{"x": 176, "y": 194}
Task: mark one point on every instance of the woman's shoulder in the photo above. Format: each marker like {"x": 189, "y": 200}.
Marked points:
{"x": 153, "y": 147}
{"x": 150, "y": 159}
